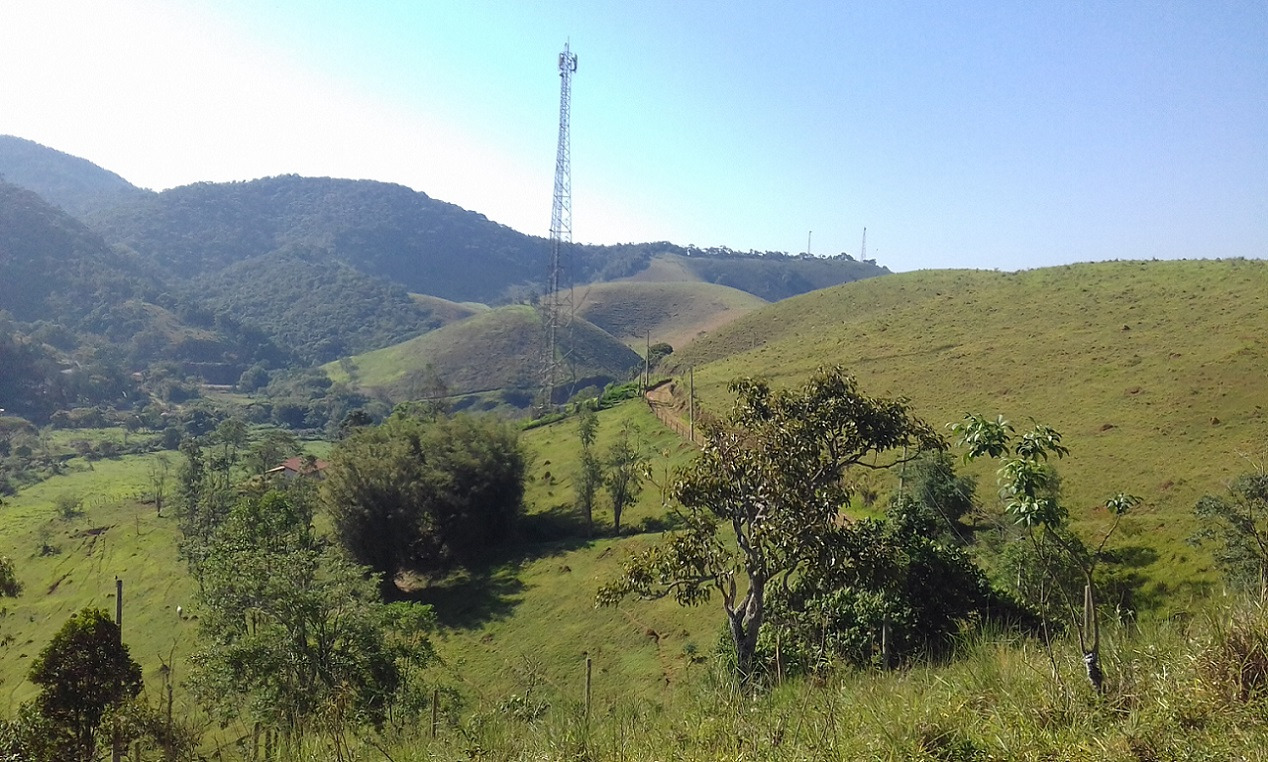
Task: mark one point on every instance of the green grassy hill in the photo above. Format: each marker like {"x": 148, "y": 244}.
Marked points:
{"x": 769, "y": 277}
{"x": 675, "y": 313}
{"x": 493, "y": 351}
{"x": 1153, "y": 370}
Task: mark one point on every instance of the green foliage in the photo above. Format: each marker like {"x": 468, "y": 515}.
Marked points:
{"x": 291, "y": 632}
{"x": 1237, "y": 524}
{"x": 10, "y": 586}
{"x": 774, "y": 475}
{"x": 1029, "y": 490}
{"x": 83, "y": 672}
{"x": 589, "y": 476}
{"x": 425, "y": 494}
{"x": 932, "y": 483}
{"x": 622, "y": 475}
{"x": 883, "y": 592}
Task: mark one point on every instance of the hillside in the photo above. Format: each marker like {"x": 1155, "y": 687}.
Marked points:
{"x": 76, "y": 185}
{"x": 676, "y": 313}
{"x": 770, "y": 275}
{"x": 81, "y": 309}
{"x": 493, "y": 351}
{"x": 1152, "y": 370}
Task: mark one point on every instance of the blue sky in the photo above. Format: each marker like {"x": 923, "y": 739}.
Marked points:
{"x": 997, "y": 135}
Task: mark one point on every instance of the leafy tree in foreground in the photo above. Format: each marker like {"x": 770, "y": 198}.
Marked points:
{"x": 1238, "y": 524}
{"x": 292, "y": 633}
{"x": 83, "y": 672}
{"x": 885, "y": 591}
{"x": 773, "y": 475}
{"x": 1028, "y": 486}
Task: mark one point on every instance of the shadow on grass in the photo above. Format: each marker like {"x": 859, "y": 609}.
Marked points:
{"x": 490, "y": 590}
{"x": 469, "y": 599}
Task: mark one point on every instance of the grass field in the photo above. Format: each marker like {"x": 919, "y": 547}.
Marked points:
{"x": 1153, "y": 371}
{"x": 528, "y": 618}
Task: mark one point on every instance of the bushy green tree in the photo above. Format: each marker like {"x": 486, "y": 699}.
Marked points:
{"x": 931, "y": 482}
{"x": 292, "y": 632}
{"x": 83, "y": 672}
{"x": 773, "y": 474}
{"x": 425, "y": 494}
{"x": 884, "y": 591}
{"x": 1237, "y": 524}
{"x": 10, "y": 587}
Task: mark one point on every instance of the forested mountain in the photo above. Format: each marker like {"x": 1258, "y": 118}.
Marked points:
{"x": 77, "y": 316}
{"x": 426, "y": 246}
{"x": 76, "y": 185}
{"x": 380, "y": 229}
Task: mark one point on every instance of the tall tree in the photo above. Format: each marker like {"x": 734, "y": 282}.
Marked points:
{"x": 589, "y": 476}
{"x": 773, "y": 475}
{"x": 83, "y": 672}
{"x": 622, "y": 475}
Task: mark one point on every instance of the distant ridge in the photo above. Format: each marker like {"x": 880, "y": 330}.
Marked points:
{"x": 78, "y": 186}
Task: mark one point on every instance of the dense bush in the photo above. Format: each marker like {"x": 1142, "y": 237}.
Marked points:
{"x": 425, "y": 494}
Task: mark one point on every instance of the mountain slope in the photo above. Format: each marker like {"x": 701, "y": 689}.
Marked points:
{"x": 76, "y": 185}
{"x": 384, "y": 230}
{"x": 675, "y": 313}
{"x": 494, "y": 351}
{"x": 1152, "y": 370}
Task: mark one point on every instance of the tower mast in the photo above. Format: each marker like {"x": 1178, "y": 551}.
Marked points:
{"x": 560, "y": 226}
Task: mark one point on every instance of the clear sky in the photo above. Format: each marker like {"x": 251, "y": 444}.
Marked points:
{"x": 1006, "y": 134}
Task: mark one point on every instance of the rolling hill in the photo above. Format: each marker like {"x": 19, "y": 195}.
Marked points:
{"x": 1152, "y": 370}
{"x": 496, "y": 351}
{"x": 674, "y": 312}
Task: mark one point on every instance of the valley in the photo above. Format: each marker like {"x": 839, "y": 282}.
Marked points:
{"x": 160, "y": 353}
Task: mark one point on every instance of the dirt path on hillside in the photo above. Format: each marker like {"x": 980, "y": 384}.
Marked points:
{"x": 660, "y": 398}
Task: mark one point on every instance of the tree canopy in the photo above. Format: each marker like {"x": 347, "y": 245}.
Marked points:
{"x": 425, "y": 494}
{"x": 773, "y": 473}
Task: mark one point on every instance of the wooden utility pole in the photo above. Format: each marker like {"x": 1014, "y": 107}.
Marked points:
{"x": 117, "y": 750}
{"x": 647, "y": 363}
{"x": 691, "y": 403}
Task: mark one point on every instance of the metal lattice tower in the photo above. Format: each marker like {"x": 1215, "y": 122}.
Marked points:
{"x": 560, "y": 227}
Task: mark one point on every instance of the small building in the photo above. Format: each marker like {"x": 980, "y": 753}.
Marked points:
{"x": 312, "y": 468}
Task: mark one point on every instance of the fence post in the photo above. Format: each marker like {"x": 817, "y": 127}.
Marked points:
{"x": 435, "y": 711}
{"x": 588, "y": 670}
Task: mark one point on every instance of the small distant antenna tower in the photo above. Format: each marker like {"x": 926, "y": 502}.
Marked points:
{"x": 863, "y": 248}
{"x": 560, "y": 226}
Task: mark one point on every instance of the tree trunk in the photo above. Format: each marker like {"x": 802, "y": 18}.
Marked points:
{"x": 746, "y": 624}
{"x": 1092, "y": 663}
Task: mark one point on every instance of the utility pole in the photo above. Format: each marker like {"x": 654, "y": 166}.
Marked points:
{"x": 560, "y": 228}
{"x": 116, "y": 752}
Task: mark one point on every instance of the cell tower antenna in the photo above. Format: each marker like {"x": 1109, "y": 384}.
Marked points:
{"x": 863, "y": 248}
{"x": 560, "y": 227}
